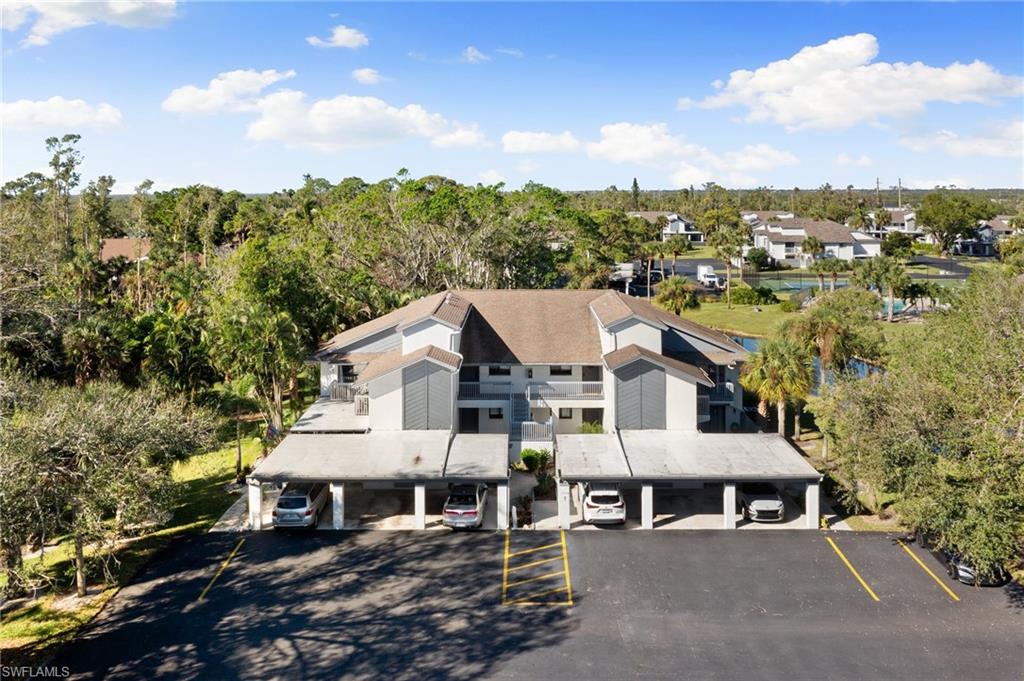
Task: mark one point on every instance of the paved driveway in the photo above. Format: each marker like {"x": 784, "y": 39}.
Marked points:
{"x": 429, "y": 605}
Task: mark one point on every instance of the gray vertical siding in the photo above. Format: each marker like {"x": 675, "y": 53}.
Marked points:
{"x": 640, "y": 396}
{"x": 427, "y": 397}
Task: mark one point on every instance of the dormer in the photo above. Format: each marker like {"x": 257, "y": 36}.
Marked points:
{"x": 440, "y": 326}
{"x": 621, "y": 325}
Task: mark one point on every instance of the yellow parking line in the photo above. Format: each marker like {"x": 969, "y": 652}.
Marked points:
{"x": 852, "y": 569}
{"x": 565, "y": 563}
{"x": 930, "y": 573}
{"x": 539, "y": 548}
{"x": 221, "y": 568}
{"x": 536, "y": 562}
{"x": 529, "y": 598}
{"x": 534, "y": 579}
{"x": 504, "y": 570}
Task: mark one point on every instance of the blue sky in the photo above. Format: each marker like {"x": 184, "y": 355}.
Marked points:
{"x": 253, "y": 95}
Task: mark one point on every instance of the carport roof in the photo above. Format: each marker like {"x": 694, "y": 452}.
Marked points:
{"x": 377, "y": 455}
{"x": 666, "y": 454}
{"x": 591, "y": 457}
{"x": 482, "y": 456}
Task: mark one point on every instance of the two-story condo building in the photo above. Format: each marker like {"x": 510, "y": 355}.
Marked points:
{"x": 901, "y": 221}
{"x": 783, "y": 239}
{"x": 450, "y": 387}
{"x": 675, "y": 225}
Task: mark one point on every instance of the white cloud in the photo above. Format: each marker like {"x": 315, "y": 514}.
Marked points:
{"x": 366, "y": 76}
{"x": 915, "y": 183}
{"x": 510, "y": 51}
{"x": 471, "y": 55}
{"x": 463, "y": 136}
{"x": 837, "y": 85}
{"x": 526, "y": 142}
{"x": 46, "y": 19}
{"x": 845, "y": 160}
{"x": 57, "y": 112}
{"x": 652, "y": 144}
{"x": 341, "y": 36}
{"x": 527, "y": 166}
{"x": 1002, "y": 140}
{"x": 229, "y": 91}
{"x": 491, "y": 176}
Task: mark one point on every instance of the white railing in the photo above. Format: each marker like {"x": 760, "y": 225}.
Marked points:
{"x": 532, "y": 431}
{"x": 566, "y": 390}
{"x": 485, "y": 391}
{"x": 722, "y": 392}
{"x": 345, "y": 392}
{"x": 703, "y": 406}
{"x": 362, "y": 405}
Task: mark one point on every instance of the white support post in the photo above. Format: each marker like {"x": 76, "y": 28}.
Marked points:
{"x": 420, "y": 497}
{"x": 729, "y": 505}
{"x": 812, "y": 506}
{"x": 255, "y": 504}
{"x": 338, "y": 505}
{"x": 503, "y": 505}
{"x": 647, "y": 507}
{"x": 564, "y": 515}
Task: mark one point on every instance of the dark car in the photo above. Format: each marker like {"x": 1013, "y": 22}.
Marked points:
{"x": 963, "y": 571}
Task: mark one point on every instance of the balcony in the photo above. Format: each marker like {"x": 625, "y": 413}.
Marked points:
{"x": 532, "y": 431}
{"x": 722, "y": 392}
{"x": 346, "y": 392}
{"x": 565, "y": 390}
{"x": 703, "y": 408}
{"x": 485, "y": 391}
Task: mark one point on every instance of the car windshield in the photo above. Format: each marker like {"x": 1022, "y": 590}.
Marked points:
{"x": 291, "y": 502}
{"x": 605, "y": 498}
{"x": 760, "y": 488}
{"x": 461, "y": 500}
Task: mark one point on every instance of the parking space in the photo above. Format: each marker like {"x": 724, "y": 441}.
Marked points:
{"x": 532, "y": 604}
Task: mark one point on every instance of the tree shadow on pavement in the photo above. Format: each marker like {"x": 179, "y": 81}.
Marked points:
{"x": 397, "y": 605}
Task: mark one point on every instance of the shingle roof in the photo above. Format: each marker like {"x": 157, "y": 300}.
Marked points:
{"x": 417, "y": 309}
{"x": 650, "y": 215}
{"x": 622, "y": 356}
{"x": 125, "y": 247}
{"x": 391, "y": 361}
{"x": 827, "y": 231}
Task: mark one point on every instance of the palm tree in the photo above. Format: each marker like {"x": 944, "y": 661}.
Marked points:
{"x": 676, "y": 294}
{"x": 819, "y": 267}
{"x": 677, "y": 244}
{"x": 883, "y": 273}
{"x": 781, "y": 371}
{"x": 586, "y": 270}
{"x": 812, "y": 248}
{"x": 833, "y": 266}
{"x": 728, "y": 243}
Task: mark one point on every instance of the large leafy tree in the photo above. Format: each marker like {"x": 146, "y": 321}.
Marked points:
{"x": 948, "y": 217}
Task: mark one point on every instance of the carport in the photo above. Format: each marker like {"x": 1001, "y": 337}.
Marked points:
{"x": 654, "y": 458}
{"x": 393, "y": 459}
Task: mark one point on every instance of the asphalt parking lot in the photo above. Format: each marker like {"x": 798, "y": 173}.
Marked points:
{"x": 531, "y": 605}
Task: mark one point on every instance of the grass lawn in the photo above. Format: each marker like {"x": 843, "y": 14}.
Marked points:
{"x": 741, "y": 319}
{"x": 696, "y": 252}
{"x": 54, "y": 618}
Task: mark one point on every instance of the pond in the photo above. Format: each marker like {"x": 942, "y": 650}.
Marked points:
{"x": 860, "y": 367}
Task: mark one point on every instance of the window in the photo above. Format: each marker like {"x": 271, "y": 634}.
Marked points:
{"x": 561, "y": 370}
{"x": 591, "y": 373}
{"x": 495, "y": 413}
{"x": 347, "y": 373}
{"x": 593, "y": 415}
{"x": 499, "y": 371}
{"x": 564, "y": 413}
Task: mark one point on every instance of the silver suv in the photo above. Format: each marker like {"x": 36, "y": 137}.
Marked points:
{"x": 300, "y": 505}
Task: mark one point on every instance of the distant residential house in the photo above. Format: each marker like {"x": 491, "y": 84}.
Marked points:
{"x": 901, "y": 220}
{"x": 985, "y": 240}
{"x": 676, "y": 225}
{"x": 783, "y": 240}
{"x": 130, "y": 248}
{"x": 760, "y": 217}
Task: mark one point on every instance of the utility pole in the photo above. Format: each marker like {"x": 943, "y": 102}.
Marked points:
{"x": 878, "y": 192}
{"x": 899, "y": 191}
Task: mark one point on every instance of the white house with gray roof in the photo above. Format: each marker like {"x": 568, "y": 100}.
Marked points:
{"x": 783, "y": 239}
{"x": 452, "y": 386}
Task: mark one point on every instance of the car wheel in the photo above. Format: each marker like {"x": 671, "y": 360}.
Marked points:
{"x": 743, "y": 512}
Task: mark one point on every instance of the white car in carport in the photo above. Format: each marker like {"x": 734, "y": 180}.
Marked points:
{"x": 602, "y": 503}
{"x": 762, "y": 503}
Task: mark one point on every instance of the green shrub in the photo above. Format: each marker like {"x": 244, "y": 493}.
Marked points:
{"x": 789, "y": 306}
{"x": 590, "y": 428}
{"x": 762, "y": 295}
{"x": 535, "y": 460}
{"x": 758, "y": 259}
{"x": 545, "y": 483}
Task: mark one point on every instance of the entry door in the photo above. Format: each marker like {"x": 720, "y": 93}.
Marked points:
{"x": 469, "y": 420}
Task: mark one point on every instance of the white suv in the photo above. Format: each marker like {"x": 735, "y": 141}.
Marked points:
{"x": 602, "y": 503}
{"x": 300, "y": 505}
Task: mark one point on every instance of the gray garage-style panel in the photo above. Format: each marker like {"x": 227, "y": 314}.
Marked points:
{"x": 640, "y": 396}
{"x": 426, "y": 397}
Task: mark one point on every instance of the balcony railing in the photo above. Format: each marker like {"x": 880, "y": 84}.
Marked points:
{"x": 362, "y": 405}
{"x": 566, "y": 390}
{"x": 485, "y": 391}
{"x": 534, "y": 431}
{"x": 703, "y": 407}
{"x": 722, "y": 392}
{"x": 346, "y": 392}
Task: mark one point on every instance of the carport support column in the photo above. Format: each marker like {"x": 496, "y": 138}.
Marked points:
{"x": 420, "y": 499}
{"x": 255, "y": 504}
{"x": 564, "y": 520}
{"x": 647, "y": 506}
{"x": 729, "y": 505}
{"x": 503, "y": 505}
{"x": 338, "y": 505}
{"x": 811, "y": 505}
